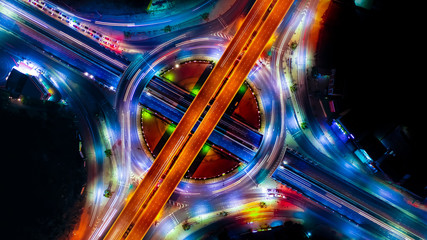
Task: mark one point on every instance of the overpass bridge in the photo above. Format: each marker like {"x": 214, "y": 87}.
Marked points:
{"x": 170, "y": 101}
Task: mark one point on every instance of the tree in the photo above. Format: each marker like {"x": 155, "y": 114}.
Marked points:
{"x": 107, "y": 193}
{"x": 293, "y": 87}
{"x": 108, "y": 153}
{"x": 186, "y": 226}
{"x": 304, "y": 125}
{"x": 294, "y": 45}
{"x": 205, "y": 16}
{"x": 168, "y": 28}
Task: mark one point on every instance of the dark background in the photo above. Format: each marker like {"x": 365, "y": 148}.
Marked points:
{"x": 378, "y": 57}
{"x": 42, "y": 170}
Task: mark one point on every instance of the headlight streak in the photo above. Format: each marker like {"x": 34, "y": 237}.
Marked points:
{"x": 26, "y": 15}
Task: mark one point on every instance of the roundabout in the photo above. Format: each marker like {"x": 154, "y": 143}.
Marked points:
{"x": 175, "y": 88}
{"x": 192, "y": 122}
{"x": 263, "y": 89}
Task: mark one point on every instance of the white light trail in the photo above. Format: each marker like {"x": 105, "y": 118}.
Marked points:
{"x": 96, "y": 52}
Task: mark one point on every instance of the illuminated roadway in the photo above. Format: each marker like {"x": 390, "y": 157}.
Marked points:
{"x": 326, "y": 152}
{"x": 65, "y": 42}
{"x": 349, "y": 201}
{"x": 390, "y": 195}
{"x": 40, "y": 21}
{"x": 230, "y": 134}
{"x": 189, "y": 119}
{"x": 207, "y": 125}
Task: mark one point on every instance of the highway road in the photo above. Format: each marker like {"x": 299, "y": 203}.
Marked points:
{"x": 230, "y": 134}
{"x": 319, "y": 143}
{"x": 242, "y": 150}
{"x": 86, "y": 100}
{"x": 175, "y": 96}
{"x": 99, "y": 151}
{"x": 180, "y": 134}
{"x": 64, "y": 41}
{"x": 281, "y": 45}
{"x": 344, "y": 198}
{"x": 131, "y": 145}
{"x": 207, "y": 125}
{"x": 270, "y": 92}
{"x": 119, "y": 128}
{"x": 148, "y": 26}
{"x": 238, "y": 207}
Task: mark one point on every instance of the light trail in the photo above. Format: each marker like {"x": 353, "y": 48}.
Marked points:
{"x": 183, "y": 129}
{"x": 98, "y": 53}
{"x": 161, "y": 46}
{"x": 126, "y": 99}
{"x": 59, "y": 34}
{"x": 266, "y": 28}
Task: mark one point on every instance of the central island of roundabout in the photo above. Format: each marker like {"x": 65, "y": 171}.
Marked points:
{"x": 234, "y": 142}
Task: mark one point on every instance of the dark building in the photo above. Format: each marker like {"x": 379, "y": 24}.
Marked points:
{"x": 22, "y": 84}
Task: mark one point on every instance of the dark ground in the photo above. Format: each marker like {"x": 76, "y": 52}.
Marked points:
{"x": 42, "y": 170}
{"x": 375, "y": 55}
{"x": 288, "y": 231}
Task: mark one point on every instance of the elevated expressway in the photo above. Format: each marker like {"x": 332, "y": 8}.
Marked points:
{"x": 176, "y": 140}
{"x": 171, "y": 102}
{"x": 271, "y": 20}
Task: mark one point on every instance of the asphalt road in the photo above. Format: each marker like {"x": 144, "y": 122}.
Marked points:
{"x": 180, "y": 134}
{"x": 207, "y": 125}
